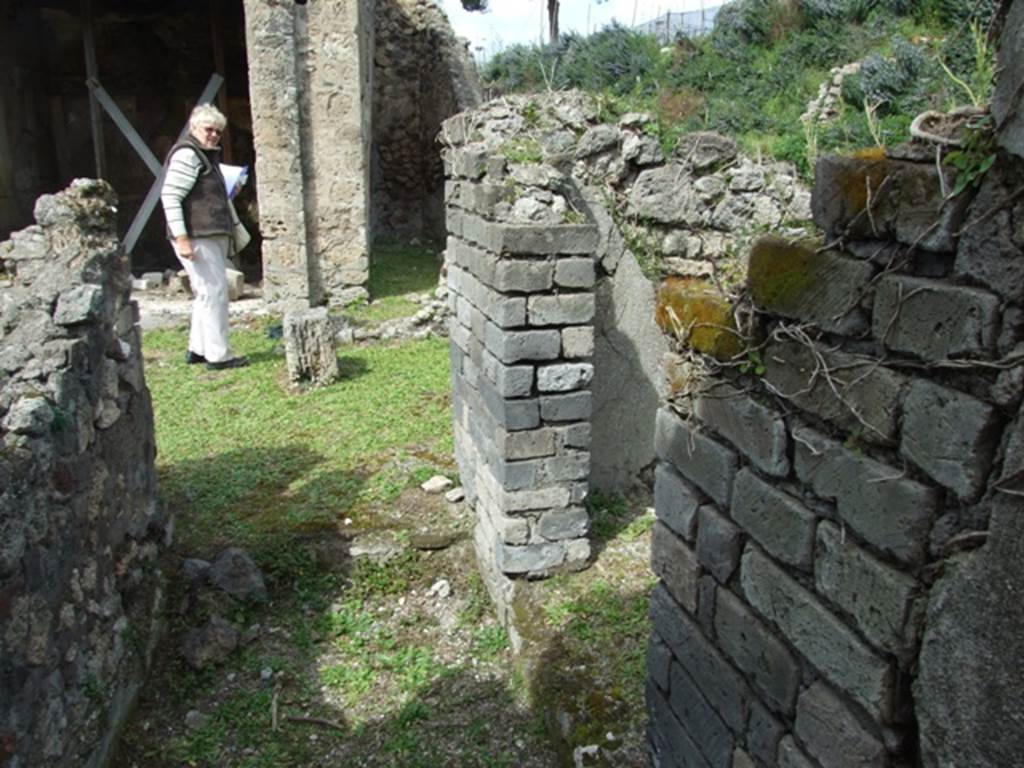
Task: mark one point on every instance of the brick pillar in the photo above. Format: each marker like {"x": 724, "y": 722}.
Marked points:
{"x": 522, "y": 301}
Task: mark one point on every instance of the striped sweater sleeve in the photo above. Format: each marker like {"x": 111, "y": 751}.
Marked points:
{"x": 182, "y": 172}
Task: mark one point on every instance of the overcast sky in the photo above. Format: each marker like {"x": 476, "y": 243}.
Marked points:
{"x": 522, "y": 21}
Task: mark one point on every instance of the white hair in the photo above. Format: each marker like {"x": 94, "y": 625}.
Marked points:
{"x": 206, "y": 114}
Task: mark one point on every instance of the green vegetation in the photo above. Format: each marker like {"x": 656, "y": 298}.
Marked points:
{"x": 243, "y": 460}
{"x": 396, "y": 271}
{"x": 755, "y": 74}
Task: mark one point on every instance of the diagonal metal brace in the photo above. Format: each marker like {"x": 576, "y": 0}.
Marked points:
{"x": 124, "y": 126}
{"x": 156, "y": 168}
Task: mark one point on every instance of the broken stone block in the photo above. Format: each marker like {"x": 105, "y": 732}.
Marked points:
{"x": 141, "y": 284}
{"x": 235, "y": 572}
{"x": 436, "y": 484}
{"x": 309, "y": 346}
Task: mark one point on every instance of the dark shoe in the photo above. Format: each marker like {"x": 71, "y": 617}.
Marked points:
{"x": 234, "y": 362}
{"x": 191, "y": 358}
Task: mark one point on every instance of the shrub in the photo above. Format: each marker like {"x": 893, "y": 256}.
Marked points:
{"x": 886, "y": 80}
{"x": 615, "y": 59}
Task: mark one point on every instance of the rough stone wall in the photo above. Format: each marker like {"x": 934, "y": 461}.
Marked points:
{"x": 521, "y": 328}
{"x": 309, "y": 88}
{"x": 838, "y": 539}
{"x": 80, "y": 532}
{"x": 422, "y": 76}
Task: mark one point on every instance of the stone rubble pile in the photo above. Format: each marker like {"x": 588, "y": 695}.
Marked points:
{"x": 690, "y": 210}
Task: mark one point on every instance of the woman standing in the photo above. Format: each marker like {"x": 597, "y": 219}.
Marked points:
{"x": 201, "y": 222}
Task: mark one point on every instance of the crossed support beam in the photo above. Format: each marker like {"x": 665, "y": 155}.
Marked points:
{"x": 103, "y": 98}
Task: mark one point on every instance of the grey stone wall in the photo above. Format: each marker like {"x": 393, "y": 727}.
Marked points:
{"x": 308, "y": 84}
{"x": 422, "y": 76}
{"x": 837, "y": 538}
{"x": 522, "y": 337}
{"x": 80, "y": 531}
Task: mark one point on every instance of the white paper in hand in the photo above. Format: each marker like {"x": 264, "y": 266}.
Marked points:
{"x": 235, "y": 177}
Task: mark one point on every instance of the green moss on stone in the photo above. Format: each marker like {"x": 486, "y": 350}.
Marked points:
{"x": 781, "y": 273}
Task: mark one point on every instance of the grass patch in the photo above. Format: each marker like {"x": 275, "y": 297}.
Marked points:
{"x": 397, "y": 270}
{"x": 243, "y": 460}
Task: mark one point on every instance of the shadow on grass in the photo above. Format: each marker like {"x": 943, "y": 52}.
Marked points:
{"x": 587, "y": 678}
{"x": 613, "y": 517}
{"x": 264, "y": 499}
{"x": 458, "y": 721}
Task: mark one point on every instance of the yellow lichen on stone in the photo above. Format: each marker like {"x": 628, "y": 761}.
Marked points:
{"x": 780, "y": 273}
{"x": 696, "y": 313}
{"x": 861, "y": 178}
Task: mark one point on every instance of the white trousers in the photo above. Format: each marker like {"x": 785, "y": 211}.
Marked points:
{"x": 208, "y": 335}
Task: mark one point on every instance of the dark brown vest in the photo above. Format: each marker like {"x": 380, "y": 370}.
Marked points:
{"x": 206, "y": 205}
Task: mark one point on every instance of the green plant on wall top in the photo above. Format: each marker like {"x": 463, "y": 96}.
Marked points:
{"x": 975, "y": 157}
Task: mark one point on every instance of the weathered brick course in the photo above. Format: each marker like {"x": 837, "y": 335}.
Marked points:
{"x": 818, "y": 634}
{"x": 676, "y": 565}
{"x": 858, "y": 395}
{"x": 758, "y": 432}
{"x": 675, "y": 502}
{"x": 561, "y": 309}
{"x": 885, "y": 508}
{"x": 719, "y": 543}
{"x": 934, "y": 320}
{"x": 779, "y": 523}
{"x": 883, "y": 602}
{"x": 951, "y": 436}
{"x": 706, "y": 463}
{"x": 718, "y": 681}
{"x": 702, "y": 722}
{"x": 830, "y": 731}
{"x": 773, "y": 669}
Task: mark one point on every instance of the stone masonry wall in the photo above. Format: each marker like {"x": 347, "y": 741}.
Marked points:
{"x": 423, "y": 75}
{"x": 838, "y": 538}
{"x": 80, "y": 531}
{"x": 683, "y": 214}
{"x": 522, "y": 303}
{"x": 309, "y": 86}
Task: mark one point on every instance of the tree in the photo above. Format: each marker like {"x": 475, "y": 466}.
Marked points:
{"x": 553, "y": 9}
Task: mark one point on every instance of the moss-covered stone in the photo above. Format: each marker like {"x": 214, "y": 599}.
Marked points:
{"x": 699, "y": 316}
{"x": 800, "y": 281}
{"x": 869, "y": 195}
